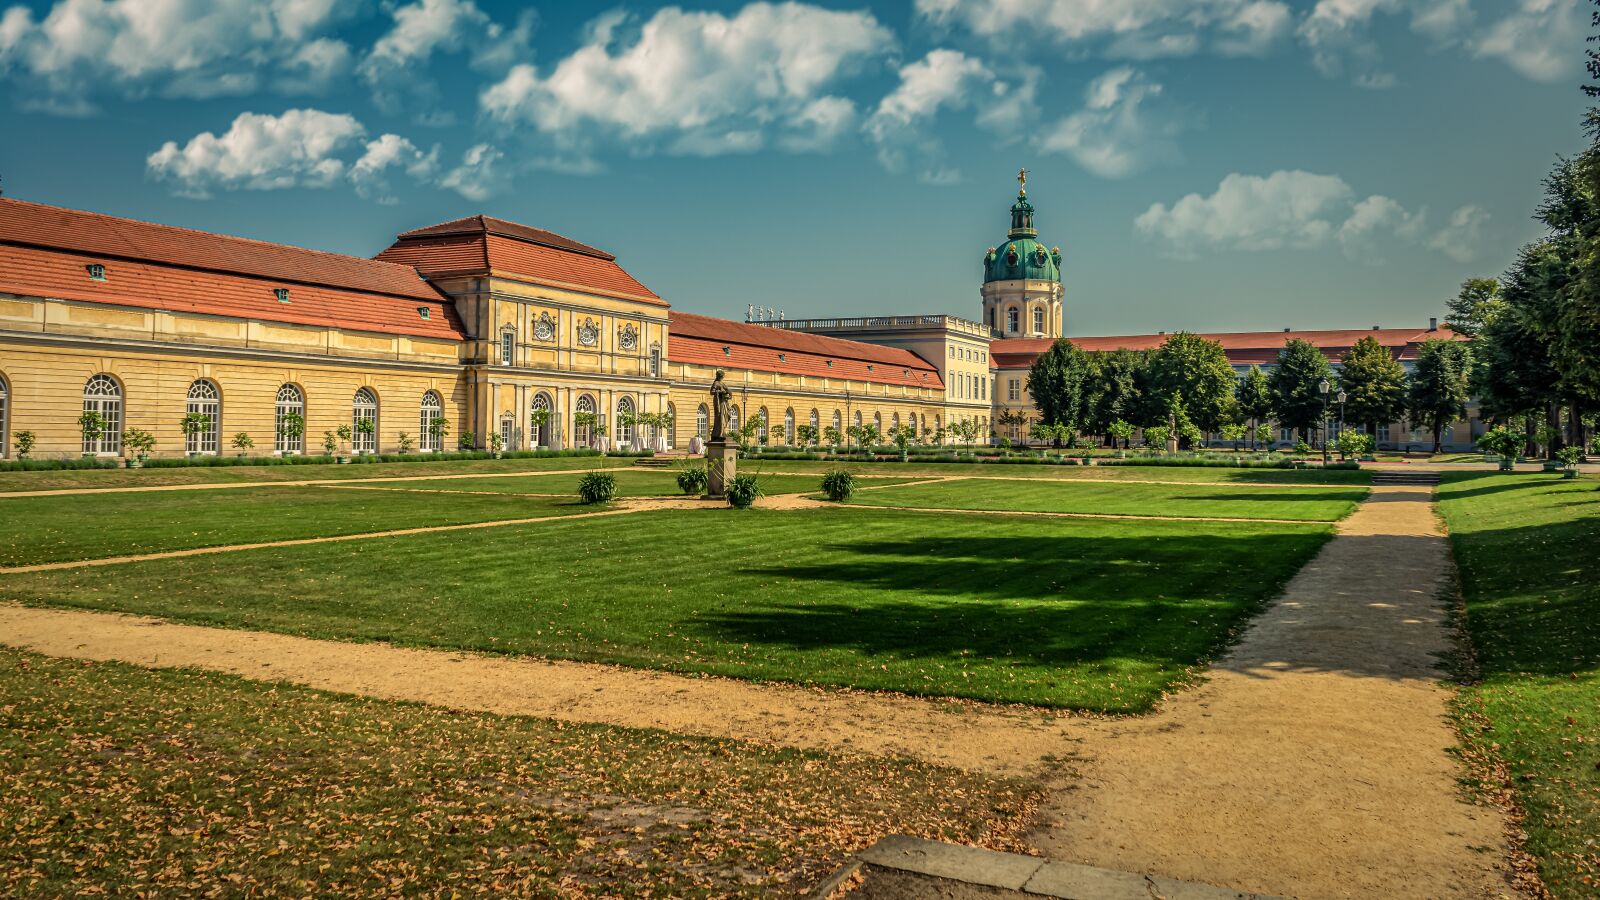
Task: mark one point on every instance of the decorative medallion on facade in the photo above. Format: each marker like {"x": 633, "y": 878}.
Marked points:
{"x": 628, "y": 337}
{"x": 588, "y": 333}
{"x": 545, "y": 328}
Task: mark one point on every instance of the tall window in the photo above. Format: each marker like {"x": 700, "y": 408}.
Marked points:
{"x": 672, "y": 425}
{"x": 508, "y": 346}
{"x": 624, "y": 423}
{"x": 540, "y": 434}
{"x": 702, "y": 422}
{"x": 816, "y": 423}
{"x": 204, "y": 400}
{"x": 655, "y": 361}
{"x": 5, "y": 407}
{"x": 894, "y": 422}
{"x": 838, "y": 421}
{"x": 788, "y": 426}
{"x": 432, "y": 407}
{"x": 1011, "y": 320}
{"x": 288, "y": 411}
{"x": 1038, "y": 320}
{"x": 877, "y": 422}
{"x": 508, "y": 432}
{"x": 733, "y": 421}
{"x": 1013, "y": 389}
{"x": 104, "y": 396}
{"x": 584, "y": 434}
{"x": 765, "y": 422}
{"x": 911, "y": 422}
{"x": 983, "y": 387}
{"x": 364, "y": 422}
{"x": 858, "y": 418}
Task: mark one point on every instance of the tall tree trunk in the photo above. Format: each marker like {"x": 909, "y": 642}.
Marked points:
{"x": 1530, "y": 425}
{"x": 1438, "y": 434}
{"x": 1552, "y": 417}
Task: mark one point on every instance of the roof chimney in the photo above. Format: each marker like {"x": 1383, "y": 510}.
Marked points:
{"x": 1375, "y": 328}
{"x": 1433, "y": 324}
{"x": 1286, "y": 331}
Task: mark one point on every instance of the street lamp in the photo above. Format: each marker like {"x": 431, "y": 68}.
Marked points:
{"x": 1341, "y": 397}
{"x": 1322, "y": 388}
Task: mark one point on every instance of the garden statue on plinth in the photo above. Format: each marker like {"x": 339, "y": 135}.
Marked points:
{"x": 722, "y": 461}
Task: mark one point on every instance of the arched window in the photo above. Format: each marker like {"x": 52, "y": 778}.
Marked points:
{"x": 5, "y": 409}
{"x": 816, "y": 422}
{"x": 672, "y": 426}
{"x": 1011, "y": 320}
{"x": 432, "y": 407}
{"x": 102, "y": 395}
{"x": 763, "y": 422}
{"x": 508, "y": 346}
{"x": 204, "y": 400}
{"x": 702, "y": 422}
{"x": 624, "y": 421}
{"x": 838, "y": 422}
{"x": 991, "y": 317}
{"x": 1038, "y": 319}
{"x": 788, "y": 426}
{"x": 877, "y": 422}
{"x": 894, "y": 422}
{"x": 540, "y": 407}
{"x": 289, "y": 421}
{"x": 938, "y": 425}
{"x": 364, "y": 422}
{"x": 655, "y": 363}
{"x": 582, "y": 432}
{"x": 858, "y": 418}
{"x": 733, "y": 420}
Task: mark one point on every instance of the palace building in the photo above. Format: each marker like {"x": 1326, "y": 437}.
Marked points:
{"x": 500, "y": 329}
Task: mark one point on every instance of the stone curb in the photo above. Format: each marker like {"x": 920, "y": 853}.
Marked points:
{"x": 1031, "y": 874}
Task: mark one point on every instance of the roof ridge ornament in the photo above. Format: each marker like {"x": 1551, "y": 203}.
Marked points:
{"x": 1022, "y": 182}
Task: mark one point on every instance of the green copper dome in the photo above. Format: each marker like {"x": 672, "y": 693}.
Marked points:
{"x": 1022, "y": 256}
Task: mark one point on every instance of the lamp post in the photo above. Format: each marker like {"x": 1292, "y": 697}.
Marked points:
{"x": 1322, "y": 388}
{"x": 1341, "y": 398}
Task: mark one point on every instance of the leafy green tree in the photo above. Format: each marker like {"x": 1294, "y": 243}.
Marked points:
{"x": 1476, "y": 305}
{"x": 1120, "y": 430}
{"x": 1058, "y": 383}
{"x": 1254, "y": 398}
{"x": 1440, "y": 385}
{"x": 1297, "y": 401}
{"x": 1516, "y": 376}
{"x": 1374, "y": 383}
{"x": 1193, "y": 374}
{"x": 1114, "y": 391}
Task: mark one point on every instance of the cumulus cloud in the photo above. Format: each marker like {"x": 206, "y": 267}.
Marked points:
{"x": 1541, "y": 39}
{"x": 942, "y": 79}
{"x": 392, "y": 68}
{"x": 302, "y": 148}
{"x": 1134, "y": 29}
{"x": 180, "y": 48}
{"x": 479, "y": 174}
{"x": 1291, "y": 209}
{"x": 1116, "y": 133}
{"x": 695, "y": 82}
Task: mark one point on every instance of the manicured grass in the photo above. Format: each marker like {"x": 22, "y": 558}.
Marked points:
{"x": 124, "y": 781}
{"x": 108, "y": 478}
{"x": 90, "y": 526}
{"x": 1312, "y": 504}
{"x": 1526, "y": 548}
{"x": 630, "y": 483}
{"x": 1076, "y": 473}
{"x": 1094, "y": 614}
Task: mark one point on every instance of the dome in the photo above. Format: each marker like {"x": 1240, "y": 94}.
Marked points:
{"x": 1022, "y": 256}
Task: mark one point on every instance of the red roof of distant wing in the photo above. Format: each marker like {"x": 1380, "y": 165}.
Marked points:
{"x": 479, "y": 245}
{"x": 700, "y": 339}
{"x": 45, "y": 251}
{"x": 1242, "y": 347}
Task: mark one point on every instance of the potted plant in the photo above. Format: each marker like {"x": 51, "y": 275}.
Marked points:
{"x": 291, "y": 427}
{"x": 587, "y": 422}
{"x": 1504, "y": 443}
{"x": 496, "y": 443}
{"x": 465, "y": 440}
{"x": 405, "y": 442}
{"x": 24, "y": 441}
{"x": 93, "y": 426}
{"x": 438, "y": 427}
{"x": 537, "y": 419}
{"x": 366, "y": 427}
{"x": 140, "y": 443}
{"x": 839, "y": 485}
{"x": 1570, "y": 457}
{"x": 1121, "y": 431}
{"x": 597, "y": 487}
{"x": 343, "y": 433}
{"x": 330, "y": 445}
{"x": 744, "y": 490}
{"x": 692, "y": 479}
{"x": 192, "y": 424}
{"x": 242, "y": 442}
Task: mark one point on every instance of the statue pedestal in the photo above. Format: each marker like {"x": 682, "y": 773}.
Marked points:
{"x": 722, "y": 464}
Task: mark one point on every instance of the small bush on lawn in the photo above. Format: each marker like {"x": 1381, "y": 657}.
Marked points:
{"x": 744, "y": 490}
{"x": 597, "y": 487}
{"x": 692, "y": 480}
{"x": 839, "y": 485}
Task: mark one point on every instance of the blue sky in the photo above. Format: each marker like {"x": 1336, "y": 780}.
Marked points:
{"x": 1204, "y": 164}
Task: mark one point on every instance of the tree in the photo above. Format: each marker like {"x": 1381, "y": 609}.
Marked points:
{"x": 1254, "y": 399}
{"x": 1058, "y": 382}
{"x": 1476, "y": 305}
{"x": 1297, "y": 401}
{"x": 1193, "y": 374}
{"x": 1120, "y": 430}
{"x": 1114, "y": 390}
{"x": 1374, "y": 383}
{"x": 1440, "y": 385}
{"x": 1011, "y": 420}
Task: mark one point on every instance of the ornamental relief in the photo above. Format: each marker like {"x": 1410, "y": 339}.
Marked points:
{"x": 628, "y": 337}
{"x": 588, "y": 333}
{"x": 545, "y": 328}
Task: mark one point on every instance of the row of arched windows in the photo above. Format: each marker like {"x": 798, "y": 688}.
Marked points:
{"x": 789, "y": 434}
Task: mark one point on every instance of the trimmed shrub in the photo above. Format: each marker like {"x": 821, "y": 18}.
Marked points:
{"x": 839, "y": 485}
{"x": 744, "y": 490}
{"x": 597, "y": 487}
{"x": 692, "y": 480}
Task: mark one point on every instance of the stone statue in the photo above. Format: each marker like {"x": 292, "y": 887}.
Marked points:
{"x": 721, "y": 397}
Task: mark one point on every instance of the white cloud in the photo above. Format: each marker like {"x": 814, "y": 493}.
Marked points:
{"x": 942, "y": 79}
{"x": 1135, "y": 29}
{"x": 1301, "y": 211}
{"x": 394, "y": 68}
{"x": 1116, "y": 134}
{"x": 695, "y": 82}
{"x": 478, "y": 176}
{"x": 1541, "y": 39}
{"x": 1462, "y": 237}
{"x": 178, "y": 48}
{"x": 302, "y": 148}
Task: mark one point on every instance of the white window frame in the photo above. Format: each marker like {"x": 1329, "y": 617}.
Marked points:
{"x": 541, "y": 436}
{"x": 429, "y": 408}
{"x": 583, "y": 434}
{"x": 625, "y": 431}
{"x": 1038, "y": 320}
{"x": 788, "y": 426}
{"x": 702, "y": 422}
{"x": 1013, "y": 320}
{"x": 5, "y": 411}
{"x": 290, "y": 399}
{"x": 365, "y": 400}
{"x": 508, "y": 346}
{"x": 103, "y": 394}
{"x": 204, "y": 398}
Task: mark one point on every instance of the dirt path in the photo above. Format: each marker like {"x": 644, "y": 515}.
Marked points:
{"x": 971, "y": 736}
{"x": 1312, "y": 763}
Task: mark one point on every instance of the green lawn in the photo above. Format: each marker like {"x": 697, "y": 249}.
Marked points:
{"x": 1200, "y": 474}
{"x": 1311, "y": 504}
{"x": 630, "y": 483}
{"x": 109, "y": 478}
{"x": 126, "y": 781}
{"x": 89, "y": 526}
{"x": 1526, "y": 547}
{"x": 1093, "y": 614}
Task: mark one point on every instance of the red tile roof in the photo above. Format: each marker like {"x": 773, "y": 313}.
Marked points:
{"x": 700, "y": 340}
{"x": 483, "y": 245}
{"x": 1243, "y": 347}
{"x": 45, "y": 251}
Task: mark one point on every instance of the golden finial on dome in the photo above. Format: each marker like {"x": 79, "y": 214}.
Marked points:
{"x": 1022, "y": 179}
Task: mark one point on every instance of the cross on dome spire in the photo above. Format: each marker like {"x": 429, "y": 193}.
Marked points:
{"x": 1022, "y": 180}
